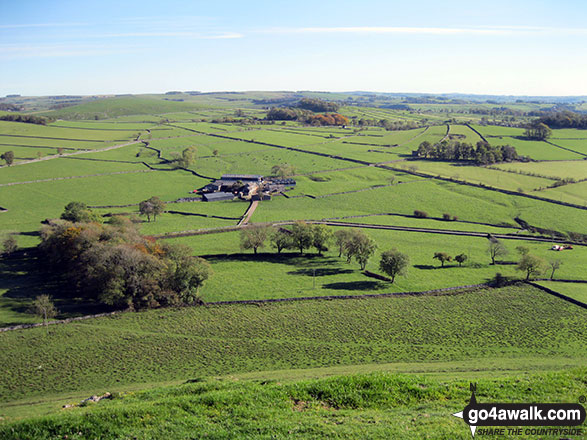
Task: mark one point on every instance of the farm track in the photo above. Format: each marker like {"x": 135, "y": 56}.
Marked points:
{"x": 249, "y": 213}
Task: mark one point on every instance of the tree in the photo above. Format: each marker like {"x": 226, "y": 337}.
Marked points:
{"x": 531, "y": 264}
{"x": 394, "y": 263}
{"x": 496, "y": 249}
{"x": 281, "y": 239}
{"x": 254, "y": 237}
{"x": 523, "y": 250}
{"x": 152, "y": 207}
{"x": 461, "y": 258}
{"x": 185, "y": 272}
{"x": 43, "y": 306}
{"x": 554, "y": 265}
{"x": 321, "y": 235}
{"x": 341, "y": 238}
{"x": 283, "y": 170}
{"x": 361, "y": 247}
{"x": 301, "y": 235}
{"x": 186, "y": 159}
{"x": 78, "y": 212}
{"x": 9, "y": 245}
{"x": 442, "y": 257}
{"x": 8, "y": 157}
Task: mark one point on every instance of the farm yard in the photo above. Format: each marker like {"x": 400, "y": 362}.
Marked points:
{"x": 115, "y": 154}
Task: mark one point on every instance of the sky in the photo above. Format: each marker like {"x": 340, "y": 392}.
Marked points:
{"x": 500, "y": 47}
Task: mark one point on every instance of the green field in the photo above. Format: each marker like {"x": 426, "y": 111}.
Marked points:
{"x": 265, "y": 365}
{"x": 180, "y": 344}
{"x": 376, "y": 405}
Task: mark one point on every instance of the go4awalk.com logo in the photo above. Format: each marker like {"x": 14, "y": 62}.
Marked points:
{"x": 552, "y": 419}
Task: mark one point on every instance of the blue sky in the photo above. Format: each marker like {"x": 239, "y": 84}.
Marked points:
{"x": 499, "y": 47}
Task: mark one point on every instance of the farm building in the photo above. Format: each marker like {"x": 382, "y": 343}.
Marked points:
{"x": 217, "y": 196}
{"x": 245, "y": 178}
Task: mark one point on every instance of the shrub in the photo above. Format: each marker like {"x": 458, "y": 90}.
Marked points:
{"x": 420, "y": 214}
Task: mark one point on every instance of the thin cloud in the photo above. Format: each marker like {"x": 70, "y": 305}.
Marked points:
{"x": 195, "y": 35}
{"x": 16, "y": 51}
{"x": 382, "y": 30}
{"x": 40, "y": 25}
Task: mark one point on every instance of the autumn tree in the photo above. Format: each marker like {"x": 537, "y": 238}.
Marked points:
{"x": 394, "y": 263}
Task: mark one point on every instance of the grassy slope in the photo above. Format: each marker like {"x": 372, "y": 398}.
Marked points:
{"x": 162, "y": 345}
{"x": 121, "y": 106}
{"x": 370, "y": 406}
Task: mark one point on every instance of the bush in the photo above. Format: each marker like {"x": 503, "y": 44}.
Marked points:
{"x": 420, "y": 214}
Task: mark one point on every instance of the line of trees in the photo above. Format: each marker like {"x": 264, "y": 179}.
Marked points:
{"x": 114, "y": 265}
{"x": 29, "y": 119}
{"x": 564, "y": 119}
{"x": 483, "y": 153}
{"x": 351, "y": 244}
{"x": 318, "y": 105}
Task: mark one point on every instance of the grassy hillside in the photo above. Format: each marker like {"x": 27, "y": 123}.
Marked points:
{"x": 121, "y": 106}
{"x": 162, "y": 345}
{"x": 369, "y": 406}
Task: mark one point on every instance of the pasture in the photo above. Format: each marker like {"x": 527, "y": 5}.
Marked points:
{"x": 361, "y": 174}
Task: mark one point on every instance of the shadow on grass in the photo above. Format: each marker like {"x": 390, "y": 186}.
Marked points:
{"x": 321, "y": 272}
{"x": 290, "y": 258}
{"x": 356, "y": 285}
{"x": 23, "y": 277}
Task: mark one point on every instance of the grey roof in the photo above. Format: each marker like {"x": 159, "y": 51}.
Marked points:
{"x": 213, "y": 197}
{"x": 241, "y": 177}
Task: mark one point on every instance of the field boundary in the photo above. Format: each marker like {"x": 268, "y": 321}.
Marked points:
{"x": 465, "y": 289}
{"x": 557, "y": 294}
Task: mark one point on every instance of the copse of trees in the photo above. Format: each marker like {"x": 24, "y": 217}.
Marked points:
{"x": 483, "y": 153}
{"x": 283, "y": 170}
{"x": 115, "y": 265}
{"x": 29, "y": 119}
{"x": 317, "y": 105}
{"x": 307, "y": 117}
{"x": 359, "y": 246}
{"x": 78, "y": 212}
{"x": 152, "y": 207}
{"x": 564, "y": 119}
{"x": 185, "y": 159}
{"x": 538, "y": 130}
